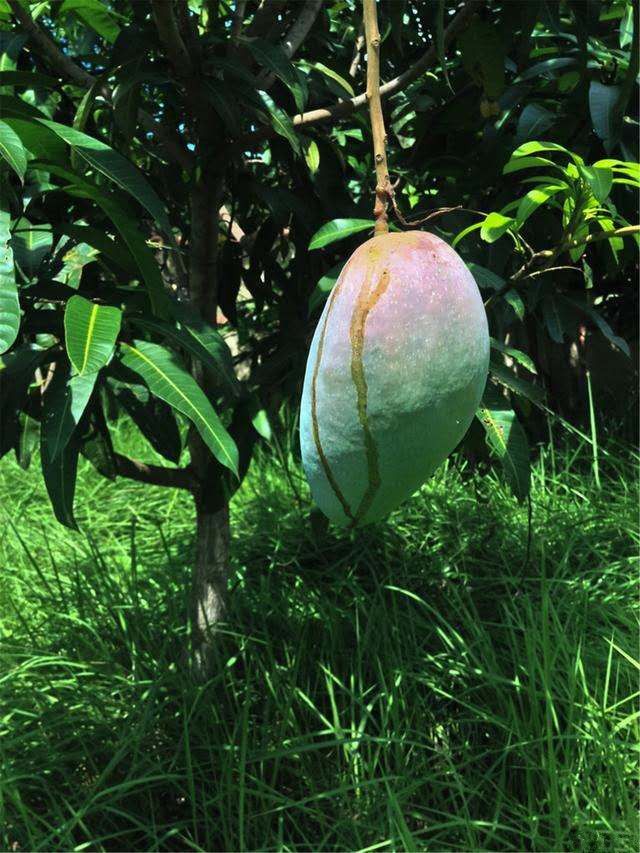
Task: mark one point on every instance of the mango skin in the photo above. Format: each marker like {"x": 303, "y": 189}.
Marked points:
{"x": 396, "y": 369}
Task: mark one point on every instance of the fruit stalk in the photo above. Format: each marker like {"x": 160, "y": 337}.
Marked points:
{"x": 372, "y": 34}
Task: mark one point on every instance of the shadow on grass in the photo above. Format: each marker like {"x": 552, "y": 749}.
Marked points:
{"x": 420, "y": 684}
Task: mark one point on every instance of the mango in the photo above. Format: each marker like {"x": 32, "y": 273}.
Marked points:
{"x": 396, "y": 369}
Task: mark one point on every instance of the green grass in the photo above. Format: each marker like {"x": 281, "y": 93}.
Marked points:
{"x": 428, "y": 684}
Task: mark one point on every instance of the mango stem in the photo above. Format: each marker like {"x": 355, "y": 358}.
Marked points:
{"x": 372, "y": 34}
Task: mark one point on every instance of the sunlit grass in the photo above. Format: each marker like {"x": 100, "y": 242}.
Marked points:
{"x": 437, "y": 682}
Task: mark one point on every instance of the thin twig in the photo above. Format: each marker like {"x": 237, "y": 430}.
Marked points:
{"x": 350, "y": 105}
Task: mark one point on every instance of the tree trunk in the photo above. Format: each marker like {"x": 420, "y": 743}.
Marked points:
{"x": 210, "y": 576}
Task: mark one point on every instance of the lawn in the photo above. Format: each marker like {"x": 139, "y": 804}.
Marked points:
{"x": 453, "y": 679}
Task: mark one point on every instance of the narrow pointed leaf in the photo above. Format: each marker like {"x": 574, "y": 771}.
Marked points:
{"x": 281, "y": 122}
{"x": 64, "y": 403}
{"x": 167, "y": 378}
{"x": 90, "y": 331}
{"x": 339, "y": 229}
{"x": 501, "y": 374}
{"x": 60, "y": 480}
{"x": 12, "y": 150}
{"x": 202, "y": 342}
{"x": 508, "y": 439}
{"x": 9, "y": 303}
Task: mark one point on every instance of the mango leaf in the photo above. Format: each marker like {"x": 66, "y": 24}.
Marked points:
{"x": 60, "y": 480}
{"x": 601, "y": 323}
{"x": 599, "y": 178}
{"x": 135, "y": 242}
{"x": 339, "y": 229}
{"x": 95, "y": 14}
{"x": 513, "y": 298}
{"x": 156, "y": 421}
{"x": 605, "y": 116}
{"x": 534, "y": 121}
{"x": 167, "y": 378}
{"x": 204, "y": 343}
{"x": 75, "y": 259}
{"x": 31, "y": 244}
{"x": 508, "y": 439}
{"x": 517, "y": 163}
{"x": 64, "y": 403}
{"x": 99, "y": 240}
{"x": 114, "y": 166}
{"x": 504, "y": 376}
{"x": 281, "y": 122}
{"x": 12, "y": 149}
{"x": 331, "y": 74}
{"x": 90, "y": 332}
{"x": 273, "y": 58}
{"x": 494, "y": 226}
{"x": 534, "y": 198}
{"x": 516, "y": 354}
{"x": 552, "y": 319}
{"x": 9, "y": 303}
{"x": 324, "y": 287}
{"x": 30, "y": 79}
{"x": 312, "y": 156}
{"x": 485, "y": 279}
{"x": 27, "y": 441}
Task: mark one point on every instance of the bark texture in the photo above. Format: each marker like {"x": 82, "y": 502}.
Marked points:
{"x": 210, "y": 577}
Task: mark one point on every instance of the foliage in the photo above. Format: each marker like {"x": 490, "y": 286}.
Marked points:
{"x": 162, "y": 182}
{"x": 427, "y": 687}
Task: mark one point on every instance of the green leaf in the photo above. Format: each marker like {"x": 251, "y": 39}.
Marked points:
{"x": 9, "y": 303}
{"x": 64, "y": 403}
{"x": 601, "y": 323}
{"x": 103, "y": 243}
{"x": 12, "y": 149}
{"x": 167, "y": 378}
{"x": 60, "y": 480}
{"x": 485, "y": 279}
{"x": 331, "y": 74}
{"x": 534, "y": 121}
{"x": 599, "y": 178}
{"x": 312, "y": 156}
{"x": 468, "y": 230}
{"x": 494, "y": 226}
{"x": 605, "y": 116}
{"x": 28, "y": 440}
{"x": 31, "y": 244}
{"x": 534, "y": 198}
{"x": 202, "y": 342}
{"x": 273, "y": 58}
{"x": 626, "y": 26}
{"x": 513, "y": 298}
{"x": 516, "y": 354}
{"x": 339, "y": 229}
{"x": 114, "y": 166}
{"x": 281, "y": 122}
{"x": 90, "y": 332}
{"x": 142, "y": 254}
{"x": 508, "y": 378}
{"x": 508, "y": 439}
{"x": 95, "y": 14}
{"x": 517, "y": 164}
{"x": 324, "y": 287}
{"x": 552, "y": 319}
{"x": 29, "y": 79}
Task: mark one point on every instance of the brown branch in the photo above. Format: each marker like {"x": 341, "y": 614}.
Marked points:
{"x": 350, "y": 105}
{"x": 238, "y": 19}
{"x": 266, "y": 15}
{"x": 378, "y": 132}
{"x": 65, "y": 67}
{"x": 49, "y": 50}
{"x": 295, "y": 37}
{"x": 170, "y": 37}
{"x": 357, "y": 54}
{"x": 154, "y": 475}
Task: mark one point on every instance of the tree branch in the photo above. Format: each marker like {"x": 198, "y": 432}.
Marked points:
{"x": 49, "y": 50}
{"x": 154, "y": 475}
{"x": 170, "y": 37}
{"x": 295, "y": 37}
{"x": 350, "y": 105}
{"x": 67, "y": 68}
